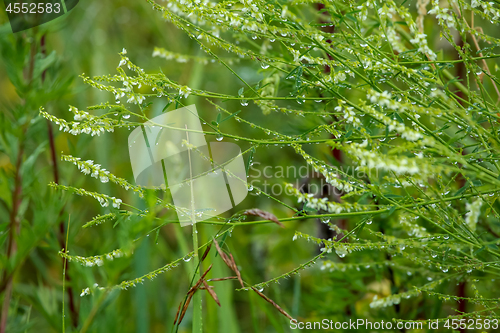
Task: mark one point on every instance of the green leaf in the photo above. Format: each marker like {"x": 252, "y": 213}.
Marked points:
{"x": 221, "y": 242}
{"x": 390, "y": 195}
{"x": 442, "y": 128}
{"x": 477, "y": 183}
{"x": 363, "y": 197}
{"x": 493, "y": 247}
{"x": 366, "y": 219}
{"x": 398, "y": 118}
{"x": 292, "y": 72}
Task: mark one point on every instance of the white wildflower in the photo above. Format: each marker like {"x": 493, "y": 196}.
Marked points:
{"x": 116, "y": 202}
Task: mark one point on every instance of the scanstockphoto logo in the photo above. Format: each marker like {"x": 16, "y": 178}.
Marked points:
{"x": 26, "y": 14}
{"x": 204, "y": 178}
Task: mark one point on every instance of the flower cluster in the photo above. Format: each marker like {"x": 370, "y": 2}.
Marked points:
{"x": 442, "y": 14}
{"x": 386, "y": 12}
{"x": 183, "y": 58}
{"x": 89, "y": 291}
{"x": 254, "y": 11}
{"x": 395, "y": 40}
{"x": 330, "y": 176}
{"x": 409, "y": 223}
{"x": 364, "y": 7}
{"x": 136, "y": 99}
{"x": 90, "y": 124}
{"x": 392, "y": 299}
{"x": 349, "y": 114}
{"x": 307, "y": 237}
{"x": 420, "y": 41}
{"x": 373, "y": 160}
{"x": 85, "y": 292}
{"x": 487, "y": 9}
{"x": 332, "y": 266}
{"x": 100, "y": 219}
{"x": 78, "y": 114}
{"x": 184, "y": 91}
{"x": 384, "y": 99}
{"x": 338, "y": 76}
{"x": 150, "y": 276}
{"x": 94, "y": 260}
{"x": 127, "y": 81}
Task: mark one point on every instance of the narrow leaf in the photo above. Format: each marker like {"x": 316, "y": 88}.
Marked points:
{"x": 230, "y": 116}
